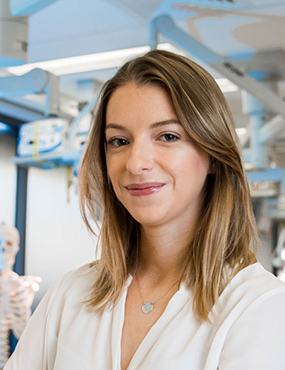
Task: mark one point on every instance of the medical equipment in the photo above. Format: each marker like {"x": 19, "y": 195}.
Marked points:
{"x": 46, "y": 136}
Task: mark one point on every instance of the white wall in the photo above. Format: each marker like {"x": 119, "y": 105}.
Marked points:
{"x": 8, "y": 178}
{"x": 56, "y": 238}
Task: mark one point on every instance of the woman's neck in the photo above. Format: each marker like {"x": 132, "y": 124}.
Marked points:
{"x": 162, "y": 252}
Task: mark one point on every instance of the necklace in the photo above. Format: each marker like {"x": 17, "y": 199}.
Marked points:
{"x": 147, "y": 307}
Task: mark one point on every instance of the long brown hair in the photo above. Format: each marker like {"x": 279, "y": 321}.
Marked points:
{"x": 225, "y": 231}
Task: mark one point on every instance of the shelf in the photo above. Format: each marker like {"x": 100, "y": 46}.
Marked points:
{"x": 49, "y": 160}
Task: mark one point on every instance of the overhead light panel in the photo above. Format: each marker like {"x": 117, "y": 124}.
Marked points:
{"x": 101, "y": 61}
{"x": 87, "y": 63}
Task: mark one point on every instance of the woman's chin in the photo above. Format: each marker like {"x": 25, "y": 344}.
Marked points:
{"x": 149, "y": 219}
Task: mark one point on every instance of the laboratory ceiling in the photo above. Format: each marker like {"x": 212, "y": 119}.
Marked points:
{"x": 69, "y": 28}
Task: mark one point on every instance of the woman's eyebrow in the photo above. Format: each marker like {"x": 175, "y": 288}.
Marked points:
{"x": 153, "y": 125}
{"x": 166, "y": 122}
{"x": 115, "y": 126}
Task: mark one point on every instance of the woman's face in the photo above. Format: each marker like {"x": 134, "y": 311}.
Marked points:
{"x": 156, "y": 171}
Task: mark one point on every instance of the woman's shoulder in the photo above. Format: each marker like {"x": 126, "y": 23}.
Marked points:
{"x": 249, "y": 322}
{"x": 82, "y": 276}
{"x": 82, "y": 272}
{"x": 257, "y": 277}
{"x": 252, "y": 286}
{"x": 73, "y": 285}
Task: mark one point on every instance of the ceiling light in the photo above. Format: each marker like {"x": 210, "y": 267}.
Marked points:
{"x": 101, "y": 61}
{"x": 85, "y": 63}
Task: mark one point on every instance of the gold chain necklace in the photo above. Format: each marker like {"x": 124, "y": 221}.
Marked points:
{"x": 147, "y": 307}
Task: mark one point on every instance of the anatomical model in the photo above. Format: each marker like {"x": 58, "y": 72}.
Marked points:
{"x": 16, "y": 292}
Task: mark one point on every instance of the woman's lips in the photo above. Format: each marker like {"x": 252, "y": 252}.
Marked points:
{"x": 144, "y": 189}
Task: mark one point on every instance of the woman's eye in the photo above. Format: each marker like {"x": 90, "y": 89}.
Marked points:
{"x": 117, "y": 142}
{"x": 169, "y": 137}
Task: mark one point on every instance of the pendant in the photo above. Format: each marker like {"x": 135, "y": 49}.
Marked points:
{"x": 147, "y": 307}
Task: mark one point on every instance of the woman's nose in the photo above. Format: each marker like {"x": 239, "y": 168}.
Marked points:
{"x": 139, "y": 159}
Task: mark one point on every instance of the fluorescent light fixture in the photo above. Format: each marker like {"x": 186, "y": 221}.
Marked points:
{"x": 101, "y": 61}
{"x": 86, "y": 63}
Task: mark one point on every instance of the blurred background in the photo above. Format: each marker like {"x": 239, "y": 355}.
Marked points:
{"x": 54, "y": 57}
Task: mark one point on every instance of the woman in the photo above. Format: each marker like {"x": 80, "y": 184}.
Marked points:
{"x": 177, "y": 285}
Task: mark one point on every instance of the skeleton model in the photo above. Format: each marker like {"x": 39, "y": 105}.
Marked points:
{"x": 16, "y": 292}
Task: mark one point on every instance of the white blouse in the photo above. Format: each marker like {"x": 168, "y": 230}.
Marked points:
{"x": 247, "y": 330}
